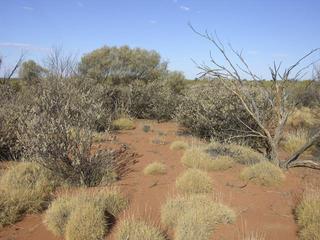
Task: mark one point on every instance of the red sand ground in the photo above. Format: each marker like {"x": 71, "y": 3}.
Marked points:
{"x": 260, "y": 209}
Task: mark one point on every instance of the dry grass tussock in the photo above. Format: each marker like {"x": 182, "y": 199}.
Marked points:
{"x": 92, "y": 211}
{"x": 133, "y": 229}
{"x": 303, "y": 118}
{"x": 155, "y": 168}
{"x": 198, "y": 157}
{"x": 195, "y": 216}
{"x": 179, "y": 145}
{"x": 194, "y": 181}
{"x": 263, "y": 173}
{"x": 294, "y": 140}
{"x": 240, "y": 153}
{"x": 24, "y": 188}
{"x": 123, "y": 124}
{"x": 308, "y": 214}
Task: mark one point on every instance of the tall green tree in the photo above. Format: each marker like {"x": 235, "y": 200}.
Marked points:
{"x": 30, "y": 71}
{"x": 122, "y": 65}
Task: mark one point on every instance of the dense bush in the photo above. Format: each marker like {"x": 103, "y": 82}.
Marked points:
{"x": 57, "y": 131}
{"x": 210, "y": 111}
{"x": 10, "y": 113}
{"x": 153, "y": 101}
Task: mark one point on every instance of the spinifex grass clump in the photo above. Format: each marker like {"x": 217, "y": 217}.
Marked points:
{"x": 194, "y": 181}
{"x": 308, "y": 214}
{"x": 136, "y": 230}
{"x": 263, "y": 173}
{"x": 179, "y": 145}
{"x": 24, "y": 188}
{"x": 199, "y": 157}
{"x": 195, "y": 216}
{"x": 123, "y": 124}
{"x": 155, "y": 168}
{"x": 89, "y": 211}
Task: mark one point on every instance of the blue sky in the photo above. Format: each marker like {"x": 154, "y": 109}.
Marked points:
{"x": 266, "y": 30}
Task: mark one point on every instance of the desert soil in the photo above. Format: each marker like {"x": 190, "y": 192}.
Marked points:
{"x": 268, "y": 210}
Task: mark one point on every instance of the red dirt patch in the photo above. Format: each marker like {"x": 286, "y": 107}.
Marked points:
{"x": 263, "y": 209}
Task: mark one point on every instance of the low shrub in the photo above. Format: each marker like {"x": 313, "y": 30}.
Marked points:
{"x": 25, "y": 188}
{"x": 264, "y": 173}
{"x": 136, "y": 230}
{"x": 86, "y": 222}
{"x": 155, "y": 168}
{"x": 195, "y": 214}
{"x": 109, "y": 202}
{"x": 209, "y": 110}
{"x": 146, "y": 128}
{"x": 194, "y": 181}
{"x": 123, "y": 124}
{"x": 154, "y": 100}
{"x": 179, "y": 145}
{"x": 58, "y": 130}
{"x": 308, "y": 214}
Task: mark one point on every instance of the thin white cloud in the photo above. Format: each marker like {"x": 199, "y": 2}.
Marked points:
{"x": 27, "y": 8}
{"x": 175, "y": 1}
{"x": 23, "y": 46}
{"x": 152, "y": 21}
{"x": 184, "y": 8}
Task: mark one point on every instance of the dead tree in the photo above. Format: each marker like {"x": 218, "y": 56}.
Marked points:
{"x": 231, "y": 76}
{"x": 9, "y": 73}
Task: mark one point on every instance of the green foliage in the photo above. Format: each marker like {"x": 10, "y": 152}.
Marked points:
{"x": 176, "y": 82}
{"x": 153, "y": 101}
{"x": 122, "y": 65}
{"x": 31, "y": 72}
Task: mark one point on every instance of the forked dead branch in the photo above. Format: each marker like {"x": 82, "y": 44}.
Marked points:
{"x": 275, "y": 94}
